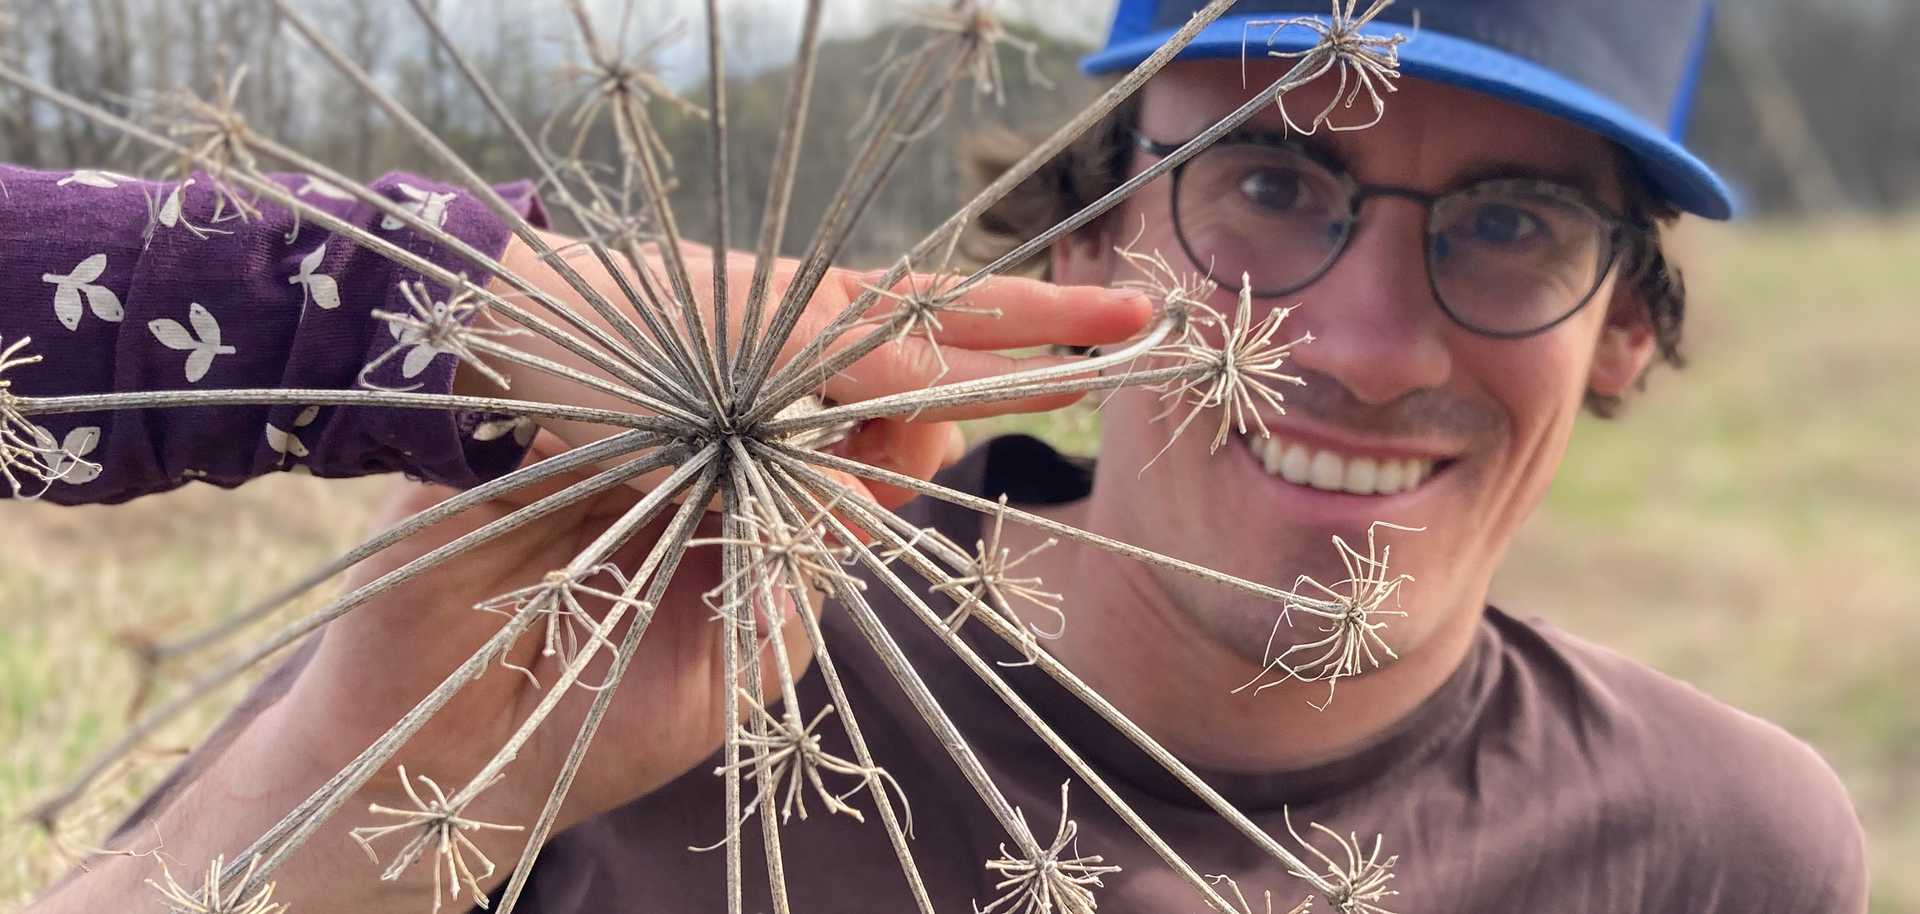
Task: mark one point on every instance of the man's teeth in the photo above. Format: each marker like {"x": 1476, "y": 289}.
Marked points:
{"x": 1335, "y": 472}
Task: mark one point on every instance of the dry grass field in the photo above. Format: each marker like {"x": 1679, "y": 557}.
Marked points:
{"x": 1748, "y": 527}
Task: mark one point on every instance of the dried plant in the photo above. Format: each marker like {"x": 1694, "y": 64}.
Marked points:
{"x": 726, "y": 409}
{"x": 970, "y": 35}
{"x": 1360, "y": 881}
{"x": 212, "y": 897}
{"x": 438, "y": 825}
{"x": 1237, "y": 377}
{"x": 214, "y": 139}
{"x": 1352, "y": 619}
{"x": 26, "y": 449}
{"x": 1370, "y": 62}
{"x": 570, "y": 627}
{"x": 1305, "y": 905}
{"x": 986, "y": 584}
{"x": 432, "y": 328}
{"x": 1040, "y": 878}
{"x": 917, "y": 309}
{"x": 786, "y": 751}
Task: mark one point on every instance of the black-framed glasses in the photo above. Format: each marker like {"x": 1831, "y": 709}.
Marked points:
{"x": 1506, "y": 257}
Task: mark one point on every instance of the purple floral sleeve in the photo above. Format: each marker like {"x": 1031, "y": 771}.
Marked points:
{"x": 130, "y": 285}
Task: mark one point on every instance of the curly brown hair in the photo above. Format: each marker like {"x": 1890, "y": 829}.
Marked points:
{"x": 1097, "y": 162}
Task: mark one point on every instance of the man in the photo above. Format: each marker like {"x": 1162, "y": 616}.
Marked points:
{"x": 1473, "y": 268}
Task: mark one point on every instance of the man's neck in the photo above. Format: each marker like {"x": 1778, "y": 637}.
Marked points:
{"x": 1128, "y": 640}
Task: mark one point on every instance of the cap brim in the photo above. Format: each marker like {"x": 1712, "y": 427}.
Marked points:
{"x": 1675, "y": 173}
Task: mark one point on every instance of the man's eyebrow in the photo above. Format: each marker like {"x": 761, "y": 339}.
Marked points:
{"x": 1581, "y": 180}
{"x": 1321, "y": 148}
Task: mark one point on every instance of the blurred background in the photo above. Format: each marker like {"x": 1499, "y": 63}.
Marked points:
{"x": 1747, "y": 526}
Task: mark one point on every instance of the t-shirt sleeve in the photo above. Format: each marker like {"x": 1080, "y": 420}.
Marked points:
{"x": 1715, "y": 811}
{"x": 1777, "y": 833}
{"x": 124, "y": 285}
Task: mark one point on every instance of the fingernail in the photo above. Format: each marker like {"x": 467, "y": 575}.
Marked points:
{"x": 1121, "y": 296}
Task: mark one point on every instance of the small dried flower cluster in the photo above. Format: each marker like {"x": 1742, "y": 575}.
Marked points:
{"x": 1043, "y": 879}
{"x": 439, "y": 826}
{"x": 570, "y": 627}
{"x": 216, "y": 896}
{"x": 987, "y": 584}
{"x": 433, "y": 327}
{"x": 1370, "y": 62}
{"x": 783, "y": 751}
{"x": 1352, "y": 624}
{"x": 1238, "y": 376}
{"x": 27, "y": 450}
{"x": 215, "y": 140}
{"x": 1359, "y": 883}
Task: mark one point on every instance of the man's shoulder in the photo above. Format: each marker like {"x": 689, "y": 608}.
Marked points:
{"x": 1754, "y": 808}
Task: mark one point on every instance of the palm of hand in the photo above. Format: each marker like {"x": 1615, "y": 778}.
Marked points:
{"x": 377, "y": 662}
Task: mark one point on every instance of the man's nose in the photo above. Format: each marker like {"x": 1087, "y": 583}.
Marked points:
{"x": 1377, "y": 328}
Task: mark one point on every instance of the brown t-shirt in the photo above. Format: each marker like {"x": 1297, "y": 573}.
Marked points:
{"x": 1548, "y": 774}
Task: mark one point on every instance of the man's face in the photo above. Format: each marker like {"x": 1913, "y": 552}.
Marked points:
{"x": 1390, "y": 379}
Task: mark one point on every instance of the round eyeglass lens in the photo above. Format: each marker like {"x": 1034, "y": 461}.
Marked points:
{"x": 1269, "y": 213}
{"x": 1515, "y": 257}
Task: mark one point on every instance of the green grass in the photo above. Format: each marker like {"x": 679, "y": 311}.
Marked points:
{"x": 1747, "y": 526}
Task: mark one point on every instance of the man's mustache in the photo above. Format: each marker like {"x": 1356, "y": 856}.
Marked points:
{"x": 1423, "y": 413}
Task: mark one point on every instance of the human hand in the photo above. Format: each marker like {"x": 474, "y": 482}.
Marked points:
{"x": 1000, "y": 314}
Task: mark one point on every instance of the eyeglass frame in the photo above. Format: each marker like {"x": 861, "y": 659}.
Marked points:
{"x": 1623, "y": 234}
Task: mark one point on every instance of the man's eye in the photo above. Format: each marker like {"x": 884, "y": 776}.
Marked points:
{"x": 1277, "y": 189}
{"x": 1500, "y": 224}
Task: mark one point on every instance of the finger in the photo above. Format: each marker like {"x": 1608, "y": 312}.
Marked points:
{"x": 1007, "y": 312}
{"x": 956, "y": 445}
{"x": 917, "y": 449}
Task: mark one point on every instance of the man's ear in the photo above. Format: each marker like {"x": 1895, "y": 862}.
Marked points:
{"x": 1626, "y": 346}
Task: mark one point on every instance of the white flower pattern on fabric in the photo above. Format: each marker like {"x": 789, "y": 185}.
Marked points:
{"x": 520, "y": 427}
{"x": 70, "y": 465}
{"x": 201, "y": 344}
{"x": 287, "y": 443}
{"x": 429, "y": 206}
{"x": 320, "y": 188}
{"x": 316, "y": 286}
{"x": 77, "y": 284}
{"x": 92, "y": 177}
{"x": 170, "y": 212}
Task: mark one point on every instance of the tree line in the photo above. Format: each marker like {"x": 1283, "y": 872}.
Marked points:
{"x": 1794, "y": 122}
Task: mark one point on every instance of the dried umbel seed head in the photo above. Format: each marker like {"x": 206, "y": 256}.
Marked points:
{"x": 31, "y": 458}
{"x": 217, "y": 895}
{"x": 1357, "y": 883}
{"x": 1371, "y": 63}
{"x": 729, "y": 421}
{"x": 1040, "y": 878}
{"x": 785, "y": 758}
{"x": 434, "y": 327}
{"x": 1351, "y": 622}
{"x": 215, "y": 139}
{"x": 440, "y": 827}
{"x": 1239, "y": 375}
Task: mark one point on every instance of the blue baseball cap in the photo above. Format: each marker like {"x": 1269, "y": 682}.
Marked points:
{"x": 1625, "y": 69}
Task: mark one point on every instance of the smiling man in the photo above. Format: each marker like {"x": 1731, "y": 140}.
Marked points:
{"x": 1475, "y": 269}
